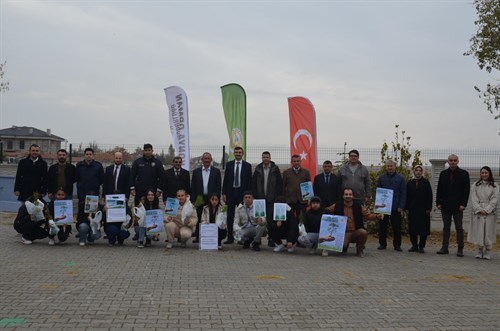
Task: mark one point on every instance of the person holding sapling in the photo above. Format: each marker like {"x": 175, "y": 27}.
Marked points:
{"x": 29, "y": 220}
{"x": 61, "y": 231}
{"x": 252, "y": 228}
{"x": 312, "y": 223}
{"x": 356, "y": 213}
{"x": 212, "y": 212}
{"x": 279, "y": 228}
{"x": 184, "y": 223}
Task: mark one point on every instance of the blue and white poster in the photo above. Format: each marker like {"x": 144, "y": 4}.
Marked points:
{"x": 332, "y": 232}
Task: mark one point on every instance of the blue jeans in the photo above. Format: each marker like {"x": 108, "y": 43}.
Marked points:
{"x": 141, "y": 233}
{"x": 86, "y": 234}
{"x": 115, "y": 233}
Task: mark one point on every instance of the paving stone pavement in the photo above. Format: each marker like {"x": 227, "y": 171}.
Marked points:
{"x": 125, "y": 288}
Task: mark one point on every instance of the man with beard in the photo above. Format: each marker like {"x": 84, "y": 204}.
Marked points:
{"x": 62, "y": 174}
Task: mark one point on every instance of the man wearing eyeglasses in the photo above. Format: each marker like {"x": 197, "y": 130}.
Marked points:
{"x": 355, "y": 176}
{"x": 176, "y": 178}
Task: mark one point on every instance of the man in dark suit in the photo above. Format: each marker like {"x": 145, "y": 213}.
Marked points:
{"x": 117, "y": 180}
{"x": 176, "y": 178}
{"x": 327, "y": 185}
{"x": 31, "y": 175}
{"x": 117, "y": 177}
{"x": 451, "y": 198}
{"x": 237, "y": 179}
{"x": 206, "y": 180}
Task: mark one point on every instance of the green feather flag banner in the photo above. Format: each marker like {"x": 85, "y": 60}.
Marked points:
{"x": 234, "y": 104}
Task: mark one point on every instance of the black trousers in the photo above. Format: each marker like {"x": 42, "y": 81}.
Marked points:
{"x": 457, "y": 219}
{"x": 395, "y": 220}
{"x": 416, "y": 243}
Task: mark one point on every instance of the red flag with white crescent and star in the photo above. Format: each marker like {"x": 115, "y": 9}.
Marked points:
{"x": 303, "y": 132}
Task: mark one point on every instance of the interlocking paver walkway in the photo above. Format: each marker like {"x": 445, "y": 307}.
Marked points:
{"x": 124, "y": 288}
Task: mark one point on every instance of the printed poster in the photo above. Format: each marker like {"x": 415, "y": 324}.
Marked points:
{"x": 209, "y": 234}
{"x": 383, "y": 201}
{"x": 171, "y": 207}
{"x": 63, "y": 212}
{"x": 332, "y": 232}
{"x": 117, "y": 208}
{"x": 259, "y": 208}
{"x": 91, "y": 204}
{"x": 306, "y": 189}
{"x": 279, "y": 212}
{"x": 154, "y": 221}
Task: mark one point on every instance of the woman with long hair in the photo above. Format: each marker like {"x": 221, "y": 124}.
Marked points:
{"x": 482, "y": 229}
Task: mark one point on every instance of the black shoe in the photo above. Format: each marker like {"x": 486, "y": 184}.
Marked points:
{"x": 246, "y": 244}
{"x": 271, "y": 243}
{"x": 398, "y": 249}
{"x": 381, "y": 247}
{"x": 443, "y": 251}
{"x": 148, "y": 242}
{"x": 256, "y": 247}
{"x": 195, "y": 241}
{"x": 229, "y": 241}
{"x": 421, "y": 250}
{"x": 413, "y": 249}
{"x": 460, "y": 252}
{"x": 134, "y": 238}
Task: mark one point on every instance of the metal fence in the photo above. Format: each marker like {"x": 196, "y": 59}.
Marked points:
{"x": 469, "y": 158}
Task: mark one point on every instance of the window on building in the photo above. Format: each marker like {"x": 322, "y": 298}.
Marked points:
{"x": 21, "y": 144}
{"x": 10, "y": 145}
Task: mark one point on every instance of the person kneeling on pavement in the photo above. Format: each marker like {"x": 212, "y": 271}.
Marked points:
{"x": 312, "y": 223}
{"x": 356, "y": 213}
{"x": 29, "y": 221}
{"x": 251, "y": 229}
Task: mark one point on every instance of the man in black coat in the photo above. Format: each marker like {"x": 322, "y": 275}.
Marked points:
{"x": 206, "y": 180}
{"x": 117, "y": 178}
{"x": 31, "y": 175}
{"x": 147, "y": 174}
{"x": 451, "y": 198}
{"x": 237, "y": 179}
{"x": 327, "y": 185}
{"x": 176, "y": 178}
{"x": 62, "y": 174}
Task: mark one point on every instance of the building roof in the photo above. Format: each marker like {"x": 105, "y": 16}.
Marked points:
{"x": 28, "y": 132}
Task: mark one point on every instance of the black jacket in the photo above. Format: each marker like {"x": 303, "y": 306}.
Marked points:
{"x": 356, "y": 210}
{"x": 89, "y": 178}
{"x": 328, "y": 193}
{"x": 147, "y": 174}
{"x": 69, "y": 173}
{"x": 173, "y": 183}
{"x": 214, "y": 183}
{"x": 453, "y": 194}
{"x": 31, "y": 177}
{"x": 124, "y": 182}
{"x": 274, "y": 183}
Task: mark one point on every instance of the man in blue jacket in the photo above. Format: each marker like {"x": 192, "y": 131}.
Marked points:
{"x": 396, "y": 182}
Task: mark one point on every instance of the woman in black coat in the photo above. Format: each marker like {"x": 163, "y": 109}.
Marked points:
{"x": 419, "y": 206}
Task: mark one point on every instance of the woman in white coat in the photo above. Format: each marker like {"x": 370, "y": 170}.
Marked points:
{"x": 482, "y": 230}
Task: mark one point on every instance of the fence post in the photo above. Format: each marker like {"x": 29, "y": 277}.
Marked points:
{"x": 70, "y": 153}
{"x": 223, "y": 157}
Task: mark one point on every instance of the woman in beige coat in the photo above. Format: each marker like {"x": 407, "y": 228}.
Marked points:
{"x": 482, "y": 230}
{"x": 182, "y": 225}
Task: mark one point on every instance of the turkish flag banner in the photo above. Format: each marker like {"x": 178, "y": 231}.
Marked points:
{"x": 303, "y": 132}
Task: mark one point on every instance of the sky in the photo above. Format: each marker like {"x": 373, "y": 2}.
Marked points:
{"x": 96, "y": 70}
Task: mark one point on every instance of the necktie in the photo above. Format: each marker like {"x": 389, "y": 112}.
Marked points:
{"x": 237, "y": 176}
{"x": 114, "y": 177}
{"x": 327, "y": 179}
{"x": 176, "y": 173}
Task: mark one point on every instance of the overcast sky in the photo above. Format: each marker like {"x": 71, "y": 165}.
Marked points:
{"x": 96, "y": 70}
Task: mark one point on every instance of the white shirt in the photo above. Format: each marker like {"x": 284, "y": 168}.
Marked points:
{"x": 118, "y": 168}
{"x": 205, "y": 172}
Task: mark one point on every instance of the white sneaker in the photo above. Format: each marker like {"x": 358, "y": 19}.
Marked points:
{"x": 479, "y": 255}
{"x": 324, "y": 253}
{"x": 82, "y": 244}
{"x": 169, "y": 245}
{"x": 51, "y": 242}
{"x": 26, "y": 241}
{"x": 291, "y": 250}
{"x": 279, "y": 248}
{"x": 487, "y": 256}
{"x": 312, "y": 251}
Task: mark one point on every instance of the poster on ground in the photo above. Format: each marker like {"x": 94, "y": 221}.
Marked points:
{"x": 209, "y": 237}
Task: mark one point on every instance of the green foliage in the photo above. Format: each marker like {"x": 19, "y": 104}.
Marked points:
{"x": 485, "y": 48}
{"x": 399, "y": 150}
{"x": 199, "y": 202}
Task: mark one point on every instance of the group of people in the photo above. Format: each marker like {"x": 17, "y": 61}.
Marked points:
{"x": 205, "y": 195}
